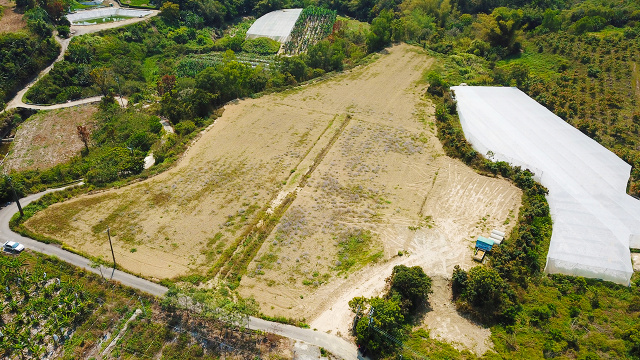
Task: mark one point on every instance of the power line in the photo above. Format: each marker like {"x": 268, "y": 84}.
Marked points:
{"x": 392, "y": 338}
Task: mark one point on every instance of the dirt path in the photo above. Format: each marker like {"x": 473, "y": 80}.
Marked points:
{"x": 385, "y": 174}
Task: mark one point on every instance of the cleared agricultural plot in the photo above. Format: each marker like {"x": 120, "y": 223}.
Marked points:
{"x": 348, "y": 171}
{"x": 49, "y": 138}
{"x": 10, "y": 19}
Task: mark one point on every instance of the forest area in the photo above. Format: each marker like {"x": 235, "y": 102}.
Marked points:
{"x": 578, "y": 58}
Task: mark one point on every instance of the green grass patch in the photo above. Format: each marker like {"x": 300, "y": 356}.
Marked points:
{"x": 543, "y": 65}
{"x": 139, "y": 3}
{"x": 356, "y": 249}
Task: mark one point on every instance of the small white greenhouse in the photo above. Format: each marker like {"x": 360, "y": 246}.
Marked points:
{"x": 276, "y": 25}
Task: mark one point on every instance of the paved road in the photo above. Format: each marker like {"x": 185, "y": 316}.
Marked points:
{"x": 50, "y": 249}
{"x": 76, "y": 30}
{"x": 332, "y": 343}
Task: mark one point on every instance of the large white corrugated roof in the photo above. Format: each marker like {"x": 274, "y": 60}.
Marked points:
{"x": 594, "y": 220}
{"x": 276, "y": 25}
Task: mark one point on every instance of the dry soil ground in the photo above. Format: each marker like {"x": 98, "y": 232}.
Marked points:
{"x": 49, "y": 138}
{"x": 635, "y": 259}
{"x": 11, "y": 20}
{"x": 356, "y": 153}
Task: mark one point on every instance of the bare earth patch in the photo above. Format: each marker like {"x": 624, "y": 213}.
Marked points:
{"x": 49, "y": 138}
{"x": 356, "y": 167}
{"x": 11, "y": 20}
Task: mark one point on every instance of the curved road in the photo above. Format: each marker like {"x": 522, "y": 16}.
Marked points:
{"x": 333, "y": 344}
{"x": 76, "y": 30}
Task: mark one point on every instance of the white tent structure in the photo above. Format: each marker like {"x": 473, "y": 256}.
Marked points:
{"x": 276, "y": 25}
{"x": 595, "y": 221}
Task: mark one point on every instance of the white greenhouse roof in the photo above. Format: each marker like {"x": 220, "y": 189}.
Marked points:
{"x": 595, "y": 221}
{"x": 276, "y": 25}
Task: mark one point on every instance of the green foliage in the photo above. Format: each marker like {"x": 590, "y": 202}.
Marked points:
{"x": 384, "y": 321}
{"x": 66, "y": 81}
{"x": 261, "y": 46}
{"x": 63, "y": 31}
{"x": 22, "y": 55}
{"x": 112, "y": 164}
{"x": 411, "y": 284}
{"x": 355, "y": 249}
{"x": 313, "y": 24}
{"x": 501, "y": 28}
{"x": 326, "y": 55}
{"x": 380, "y": 35}
{"x": 458, "y": 281}
{"x": 170, "y": 12}
{"x": 185, "y": 127}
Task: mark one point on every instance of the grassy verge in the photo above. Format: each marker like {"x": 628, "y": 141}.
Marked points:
{"x": 16, "y": 223}
{"x": 285, "y": 320}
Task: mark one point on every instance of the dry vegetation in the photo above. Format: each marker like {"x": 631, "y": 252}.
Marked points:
{"x": 11, "y": 20}
{"x": 49, "y": 138}
{"x": 333, "y": 179}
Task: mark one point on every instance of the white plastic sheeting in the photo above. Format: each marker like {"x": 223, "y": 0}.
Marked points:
{"x": 79, "y": 17}
{"x": 594, "y": 220}
{"x": 276, "y": 25}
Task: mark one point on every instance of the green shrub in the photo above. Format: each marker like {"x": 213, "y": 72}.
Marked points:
{"x": 261, "y": 46}
{"x": 185, "y": 127}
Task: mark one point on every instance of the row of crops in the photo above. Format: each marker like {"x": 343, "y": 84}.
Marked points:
{"x": 37, "y": 310}
{"x": 191, "y": 65}
{"x": 314, "y": 24}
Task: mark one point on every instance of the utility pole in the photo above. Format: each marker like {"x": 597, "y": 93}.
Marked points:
{"x": 112, "y": 254}
{"x": 15, "y": 195}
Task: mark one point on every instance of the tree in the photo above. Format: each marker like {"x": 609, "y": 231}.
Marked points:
{"x": 84, "y": 136}
{"x": 63, "y": 31}
{"x": 40, "y": 28}
{"x": 411, "y": 283}
{"x": 170, "y": 12}
{"x": 485, "y": 287}
{"x": 384, "y": 321}
{"x": 102, "y": 77}
{"x": 501, "y": 28}
{"x": 458, "y": 281}
{"x": 166, "y": 84}
{"x": 380, "y": 35}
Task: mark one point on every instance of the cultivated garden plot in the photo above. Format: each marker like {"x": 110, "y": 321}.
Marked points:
{"x": 313, "y": 25}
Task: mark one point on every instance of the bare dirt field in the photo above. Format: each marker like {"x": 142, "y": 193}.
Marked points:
{"x": 354, "y": 169}
{"x": 11, "y": 20}
{"x": 49, "y": 138}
